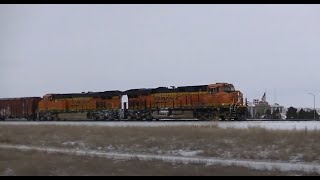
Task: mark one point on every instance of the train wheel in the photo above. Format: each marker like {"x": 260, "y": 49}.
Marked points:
{"x": 202, "y": 117}
{"x": 149, "y": 118}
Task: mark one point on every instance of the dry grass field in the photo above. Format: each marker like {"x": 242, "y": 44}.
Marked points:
{"x": 252, "y": 143}
{"x": 17, "y": 163}
{"x": 204, "y": 141}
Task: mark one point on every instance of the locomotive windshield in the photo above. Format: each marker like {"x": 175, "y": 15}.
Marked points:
{"x": 229, "y": 88}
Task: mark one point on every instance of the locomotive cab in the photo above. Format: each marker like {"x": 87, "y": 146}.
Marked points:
{"x": 227, "y": 96}
{"x": 227, "y": 92}
{"x": 47, "y": 97}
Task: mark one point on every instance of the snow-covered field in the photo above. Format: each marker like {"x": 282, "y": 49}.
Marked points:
{"x": 186, "y": 157}
{"x": 279, "y": 125}
{"x": 283, "y": 125}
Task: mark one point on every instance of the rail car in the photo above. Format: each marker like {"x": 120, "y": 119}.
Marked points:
{"x": 17, "y": 108}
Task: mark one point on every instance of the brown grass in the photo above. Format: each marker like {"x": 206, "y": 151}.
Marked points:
{"x": 252, "y": 143}
{"x": 18, "y": 163}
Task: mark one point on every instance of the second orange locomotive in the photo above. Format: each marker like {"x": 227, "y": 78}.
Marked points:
{"x": 80, "y": 106}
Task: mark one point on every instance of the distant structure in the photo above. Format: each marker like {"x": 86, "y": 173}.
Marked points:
{"x": 258, "y": 109}
{"x": 307, "y": 109}
{"x": 255, "y": 101}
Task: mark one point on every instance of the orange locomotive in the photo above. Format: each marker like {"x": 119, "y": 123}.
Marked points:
{"x": 218, "y": 101}
{"x": 80, "y": 106}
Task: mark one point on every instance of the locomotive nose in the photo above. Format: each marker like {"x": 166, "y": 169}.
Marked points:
{"x": 240, "y": 97}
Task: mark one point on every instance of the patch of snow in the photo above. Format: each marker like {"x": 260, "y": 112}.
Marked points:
{"x": 69, "y": 143}
{"x": 225, "y": 154}
{"x": 276, "y": 125}
{"x": 109, "y": 148}
{"x": 189, "y": 153}
{"x": 8, "y": 172}
{"x": 284, "y": 125}
{"x": 264, "y": 154}
{"x": 76, "y": 143}
{"x": 297, "y": 158}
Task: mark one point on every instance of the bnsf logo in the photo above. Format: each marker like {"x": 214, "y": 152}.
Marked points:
{"x": 158, "y": 98}
{"x": 78, "y": 103}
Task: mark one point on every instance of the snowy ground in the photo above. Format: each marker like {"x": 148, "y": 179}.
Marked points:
{"x": 186, "y": 157}
{"x": 284, "y": 125}
{"x": 278, "y": 125}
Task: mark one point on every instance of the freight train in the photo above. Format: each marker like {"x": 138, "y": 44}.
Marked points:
{"x": 220, "y": 101}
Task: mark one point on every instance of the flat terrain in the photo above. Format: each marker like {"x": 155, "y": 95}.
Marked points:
{"x": 276, "y": 125}
{"x": 22, "y": 163}
{"x": 194, "y": 149}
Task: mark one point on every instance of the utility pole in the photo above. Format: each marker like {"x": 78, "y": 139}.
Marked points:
{"x": 314, "y": 105}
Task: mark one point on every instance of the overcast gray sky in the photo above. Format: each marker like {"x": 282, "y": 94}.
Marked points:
{"x": 75, "y": 48}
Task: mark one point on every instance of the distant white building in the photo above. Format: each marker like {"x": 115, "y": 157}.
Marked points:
{"x": 257, "y": 109}
{"x": 276, "y": 106}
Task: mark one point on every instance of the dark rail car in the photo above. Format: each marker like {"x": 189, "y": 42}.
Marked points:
{"x": 16, "y": 108}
